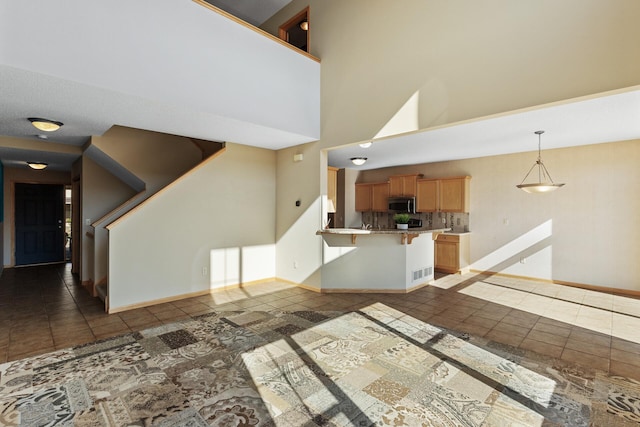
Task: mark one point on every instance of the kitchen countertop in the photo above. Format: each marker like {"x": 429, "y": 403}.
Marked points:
{"x": 382, "y": 231}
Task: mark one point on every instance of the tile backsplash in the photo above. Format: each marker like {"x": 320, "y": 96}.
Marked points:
{"x": 458, "y": 222}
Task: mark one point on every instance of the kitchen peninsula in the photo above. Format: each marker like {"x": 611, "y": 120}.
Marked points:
{"x": 377, "y": 260}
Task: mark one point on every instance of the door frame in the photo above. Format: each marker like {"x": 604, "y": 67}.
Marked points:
{"x": 12, "y": 201}
{"x": 283, "y": 30}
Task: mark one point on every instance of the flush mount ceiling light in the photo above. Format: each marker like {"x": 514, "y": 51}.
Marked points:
{"x": 45, "y": 125}
{"x": 358, "y": 161}
{"x": 304, "y": 25}
{"x": 37, "y": 165}
{"x": 366, "y": 144}
{"x": 545, "y": 184}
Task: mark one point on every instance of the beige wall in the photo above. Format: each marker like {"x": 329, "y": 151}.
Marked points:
{"x": 586, "y": 232}
{"x": 465, "y": 60}
{"x": 299, "y": 251}
{"x": 155, "y": 158}
{"x": 101, "y": 192}
{"x": 220, "y": 218}
{"x": 22, "y": 175}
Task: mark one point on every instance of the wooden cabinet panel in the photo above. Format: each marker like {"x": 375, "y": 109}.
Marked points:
{"x": 332, "y": 185}
{"x": 363, "y": 197}
{"x": 379, "y": 197}
{"x": 427, "y": 195}
{"x": 372, "y": 197}
{"x": 443, "y": 195}
{"x": 403, "y": 185}
{"x": 446, "y": 256}
{"x": 452, "y": 253}
{"x": 454, "y": 194}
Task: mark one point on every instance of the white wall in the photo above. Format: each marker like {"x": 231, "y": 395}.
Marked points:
{"x": 244, "y": 86}
{"x": 220, "y": 217}
{"x": 586, "y": 232}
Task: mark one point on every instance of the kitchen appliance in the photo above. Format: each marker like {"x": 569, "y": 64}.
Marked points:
{"x": 415, "y": 223}
{"x": 402, "y": 204}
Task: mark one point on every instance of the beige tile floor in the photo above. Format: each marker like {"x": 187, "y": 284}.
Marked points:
{"x": 43, "y": 309}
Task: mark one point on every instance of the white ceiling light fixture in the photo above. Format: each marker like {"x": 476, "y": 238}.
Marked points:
{"x": 45, "y": 125}
{"x": 545, "y": 184}
{"x": 358, "y": 161}
{"x": 37, "y": 165}
{"x": 366, "y": 144}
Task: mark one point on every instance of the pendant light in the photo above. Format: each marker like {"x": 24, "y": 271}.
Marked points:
{"x": 545, "y": 184}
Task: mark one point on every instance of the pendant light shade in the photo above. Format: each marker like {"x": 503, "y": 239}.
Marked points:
{"x": 545, "y": 184}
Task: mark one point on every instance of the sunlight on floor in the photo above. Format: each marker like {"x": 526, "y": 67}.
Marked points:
{"x": 597, "y": 311}
{"x": 452, "y": 364}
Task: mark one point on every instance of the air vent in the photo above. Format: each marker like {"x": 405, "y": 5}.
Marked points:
{"x": 422, "y": 273}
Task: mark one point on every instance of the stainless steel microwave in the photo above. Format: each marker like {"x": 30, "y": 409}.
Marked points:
{"x": 402, "y": 204}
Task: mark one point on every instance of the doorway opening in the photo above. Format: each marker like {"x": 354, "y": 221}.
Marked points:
{"x": 39, "y": 223}
{"x": 296, "y": 30}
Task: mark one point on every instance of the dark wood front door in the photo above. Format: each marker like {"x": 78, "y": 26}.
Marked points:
{"x": 39, "y": 219}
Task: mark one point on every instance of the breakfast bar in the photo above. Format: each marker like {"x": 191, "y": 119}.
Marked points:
{"x": 377, "y": 260}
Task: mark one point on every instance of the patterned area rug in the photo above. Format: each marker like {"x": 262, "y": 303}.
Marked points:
{"x": 376, "y": 366}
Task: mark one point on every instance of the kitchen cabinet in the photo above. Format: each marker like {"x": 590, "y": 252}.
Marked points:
{"x": 372, "y": 197}
{"x": 332, "y": 185}
{"x": 427, "y": 195}
{"x": 443, "y": 195}
{"x": 403, "y": 185}
{"x": 452, "y": 253}
{"x": 454, "y": 194}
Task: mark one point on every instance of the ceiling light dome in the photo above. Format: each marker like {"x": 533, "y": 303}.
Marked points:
{"x": 37, "y": 165}
{"x": 358, "y": 161}
{"x": 45, "y": 125}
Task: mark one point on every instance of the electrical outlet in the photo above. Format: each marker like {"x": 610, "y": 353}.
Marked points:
{"x": 505, "y": 221}
{"x": 295, "y": 264}
{"x": 444, "y": 220}
{"x": 523, "y": 260}
{"x": 204, "y": 271}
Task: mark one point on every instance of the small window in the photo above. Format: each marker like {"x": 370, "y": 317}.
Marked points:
{"x": 296, "y": 30}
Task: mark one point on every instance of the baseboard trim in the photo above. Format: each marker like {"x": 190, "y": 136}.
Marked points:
{"x": 188, "y": 295}
{"x": 604, "y": 289}
{"x": 374, "y": 291}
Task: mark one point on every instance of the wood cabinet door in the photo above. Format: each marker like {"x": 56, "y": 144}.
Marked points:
{"x": 427, "y": 195}
{"x": 379, "y": 197}
{"x": 363, "y": 197}
{"x": 454, "y": 195}
{"x": 332, "y": 185}
{"x": 446, "y": 256}
{"x": 403, "y": 185}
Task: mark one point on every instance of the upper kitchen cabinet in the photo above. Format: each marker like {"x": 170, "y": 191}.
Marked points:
{"x": 372, "y": 197}
{"x": 403, "y": 185}
{"x": 454, "y": 194}
{"x": 427, "y": 195}
{"x": 443, "y": 195}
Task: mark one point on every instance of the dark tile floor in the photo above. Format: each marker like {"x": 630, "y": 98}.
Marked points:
{"x": 44, "y": 308}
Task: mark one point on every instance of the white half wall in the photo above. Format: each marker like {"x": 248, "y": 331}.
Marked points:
{"x": 212, "y": 227}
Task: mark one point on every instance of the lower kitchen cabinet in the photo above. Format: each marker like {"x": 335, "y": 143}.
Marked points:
{"x": 452, "y": 253}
